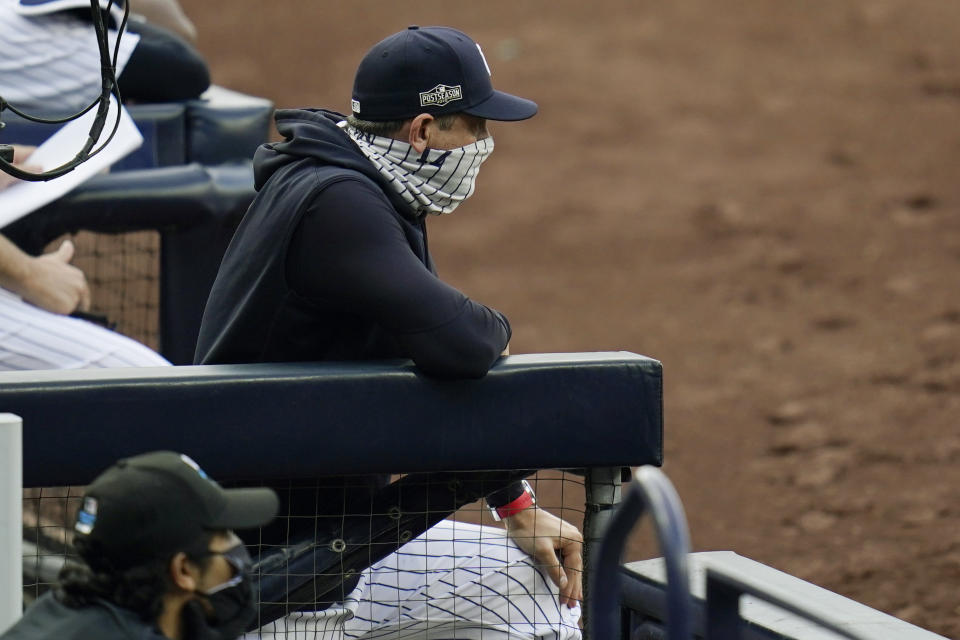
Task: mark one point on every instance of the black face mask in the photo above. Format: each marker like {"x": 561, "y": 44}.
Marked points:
{"x": 233, "y": 609}
{"x": 231, "y": 605}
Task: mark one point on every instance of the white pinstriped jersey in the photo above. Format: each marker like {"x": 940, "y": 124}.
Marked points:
{"x": 50, "y": 63}
{"x": 32, "y": 338}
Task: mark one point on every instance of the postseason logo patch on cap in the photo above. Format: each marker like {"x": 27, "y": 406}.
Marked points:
{"x": 86, "y": 516}
{"x": 440, "y": 95}
{"x": 187, "y": 460}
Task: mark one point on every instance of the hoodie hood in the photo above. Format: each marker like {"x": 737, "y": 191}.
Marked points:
{"x": 313, "y": 134}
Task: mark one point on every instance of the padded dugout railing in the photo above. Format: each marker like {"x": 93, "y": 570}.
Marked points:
{"x": 597, "y": 412}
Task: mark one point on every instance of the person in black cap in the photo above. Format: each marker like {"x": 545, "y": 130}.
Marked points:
{"x": 331, "y": 263}
{"x": 159, "y": 558}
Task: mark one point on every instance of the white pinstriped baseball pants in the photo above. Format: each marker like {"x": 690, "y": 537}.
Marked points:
{"x": 457, "y": 581}
{"x": 32, "y": 338}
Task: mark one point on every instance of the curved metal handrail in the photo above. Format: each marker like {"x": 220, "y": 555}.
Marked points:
{"x": 653, "y": 491}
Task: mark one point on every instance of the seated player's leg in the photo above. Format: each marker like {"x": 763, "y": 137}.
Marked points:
{"x": 31, "y": 338}
{"x": 463, "y": 579}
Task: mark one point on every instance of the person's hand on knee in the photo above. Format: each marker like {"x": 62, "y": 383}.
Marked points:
{"x": 554, "y": 544}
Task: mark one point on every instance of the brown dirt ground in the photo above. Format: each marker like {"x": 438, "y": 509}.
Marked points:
{"x": 763, "y": 196}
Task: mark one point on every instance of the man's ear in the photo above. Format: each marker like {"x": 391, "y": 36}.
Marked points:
{"x": 419, "y": 133}
{"x": 183, "y": 572}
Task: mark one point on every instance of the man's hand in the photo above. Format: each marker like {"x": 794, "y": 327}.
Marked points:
{"x": 543, "y": 536}
{"x": 52, "y": 283}
{"x": 48, "y": 281}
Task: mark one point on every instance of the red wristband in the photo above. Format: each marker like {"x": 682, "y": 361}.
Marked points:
{"x": 524, "y": 501}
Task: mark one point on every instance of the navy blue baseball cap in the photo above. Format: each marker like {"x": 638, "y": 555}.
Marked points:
{"x": 435, "y": 70}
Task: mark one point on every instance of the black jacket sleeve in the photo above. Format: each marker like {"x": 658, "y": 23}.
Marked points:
{"x": 350, "y": 252}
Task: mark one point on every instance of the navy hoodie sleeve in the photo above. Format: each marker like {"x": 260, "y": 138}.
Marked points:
{"x": 350, "y": 252}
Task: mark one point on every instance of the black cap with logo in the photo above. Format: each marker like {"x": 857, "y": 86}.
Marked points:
{"x": 434, "y": 70}
{"x": 158, "y": 503}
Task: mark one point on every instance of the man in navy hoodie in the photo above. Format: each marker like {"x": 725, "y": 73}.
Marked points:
{"x": 331, "y": 263}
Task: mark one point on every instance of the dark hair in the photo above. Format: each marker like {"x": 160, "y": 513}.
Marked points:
{"x": 139, "y": 589}
{"x": 387, "y": 128}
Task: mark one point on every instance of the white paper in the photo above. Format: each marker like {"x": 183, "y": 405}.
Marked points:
{"x": 23, "y": 197}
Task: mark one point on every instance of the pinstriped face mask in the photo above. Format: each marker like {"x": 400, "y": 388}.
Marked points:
{"x": 435, "y": 181}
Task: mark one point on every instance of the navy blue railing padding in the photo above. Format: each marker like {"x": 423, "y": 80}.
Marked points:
{"x": 301, "y": 420}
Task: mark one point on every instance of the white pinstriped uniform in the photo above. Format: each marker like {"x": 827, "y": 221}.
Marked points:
{"x": 51, "y": 63}
{"x": 456, "y": 581}
{"x": 32, "y": 338}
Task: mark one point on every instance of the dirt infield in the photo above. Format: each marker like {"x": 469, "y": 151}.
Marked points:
{"x": 762, "y": 195}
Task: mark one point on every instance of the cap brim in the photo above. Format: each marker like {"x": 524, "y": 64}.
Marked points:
{"x": 503, "y": 106}
{"x": 247, "y": 508}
